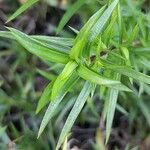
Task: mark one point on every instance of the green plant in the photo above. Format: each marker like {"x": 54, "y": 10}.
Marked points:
{"x": 105, "y": 54}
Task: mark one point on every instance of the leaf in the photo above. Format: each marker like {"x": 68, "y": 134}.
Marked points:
{"x": 74, "y": 30}
{"x": 91, "y": 30}
{"x": 120, "y": 22}
{"x": 134, "y": 33}
{"x": 66, "y": 108}
{"x": 130, "y": 73}
{"x": 54, "y": 103}
{"x": 7, "y": 34}
{"x": 113, "y": 96}
{"x": 57, "y": 43}
{"x": 69, "y": 13}
{"x": 137, "y": 16}
{"x": 24, "y": 7}
{"x": 85, "y": 92}
{"x": 94, "y": 77}
{"x": 63, "y": 77}
{"x": 46, "y": 74}
{"x": 98, "y": 26}
{"x": 109, "y": 28}
{"x": 121, "y": 109}
{"x": 37, "y": 48}
{"x": 45, "y": 98}
{"x": 65, "y": 145}
{"x": 82, "y": 37}
{"x": 56, "y": 40}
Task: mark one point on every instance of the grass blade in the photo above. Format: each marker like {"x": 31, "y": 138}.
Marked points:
{"x": 58, "y": 43}
{"x": 24, "y": 7}
{"x": 37, "y": 48}
{"x": 111, "y": 110}
{"x": 97, "y": 28}
{"x": 46, "y": 74}
{"x": 85, "y": 92}
{"x": 94, "y": 77}
{"x": 69, "y": 13}
{"x": 7, "y": 34}
{"x": 130, "y": 73}
{"x": 54, "y": 103}
{"x": 62, "y": 78}
{"x": 45, "y": 98}
{"x": 82, "y": 37}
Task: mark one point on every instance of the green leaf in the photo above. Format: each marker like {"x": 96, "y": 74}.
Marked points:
{"x": 91, "y": 30}
{"x": 54, "y": 103}
{"x": 65, "y": 144}
{"x": 45, "y": 98}
{"x": 69, "y": 13}
{"x": 109, "y": 29}
{"x": 99, "y": 25}
{"x": 39, "y": 49}
{"x": 66, "y": 108}
{"x": 121, "y": 109}
{"x": 94, "y": 77}
{"x": 130, "y": 73}
{"x": 56, "y": 40}
{"x": 46, "y": 74}
{"x": 134, "y": 33}
{"x": 24, "y": 7}
{"x": 7, "y": 34}
{"x": 82, "y": 37}
{"x": 57, "y": 43}
{"x": 63, "y": 77}
{"x": 74, "y": 30}
{"x": 85, "y": 92}
{"x": 113, "y": 96}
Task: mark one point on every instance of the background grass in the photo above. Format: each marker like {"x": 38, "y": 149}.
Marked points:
{"x": 24, "y": 76}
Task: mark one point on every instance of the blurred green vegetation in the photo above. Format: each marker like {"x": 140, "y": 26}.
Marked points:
{"x": 24, "y": 76}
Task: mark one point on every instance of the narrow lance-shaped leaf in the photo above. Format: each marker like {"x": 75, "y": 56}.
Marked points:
{"x": 65, "y": 110}
{"x": 94, "y": 77}
{"x": 54, "y": 39}
{"x": 71, "y": 10}
{"x": 127, "y": 71}
{"x": 45, "y": 98}
{"x": 7, "y": 34}
{"x": 82, "y": 37}
{"x": 63, "y": 77}
{"x": 54, "y": 103}
{"x": 24, "y": 7}
{"x": 74, "y": 30}
{"x": 85, "y": 92}
{"x": 65, "y": 144}
{"x": 38, "y": 48}
{"x": 91, "y": 30}
{"x": 58, "y": 43}
{"x": 46, "y": 74}
{"x": 97, "y": 28}
{"x": 109, "y": 29}
{"x": 113, "y": 96}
